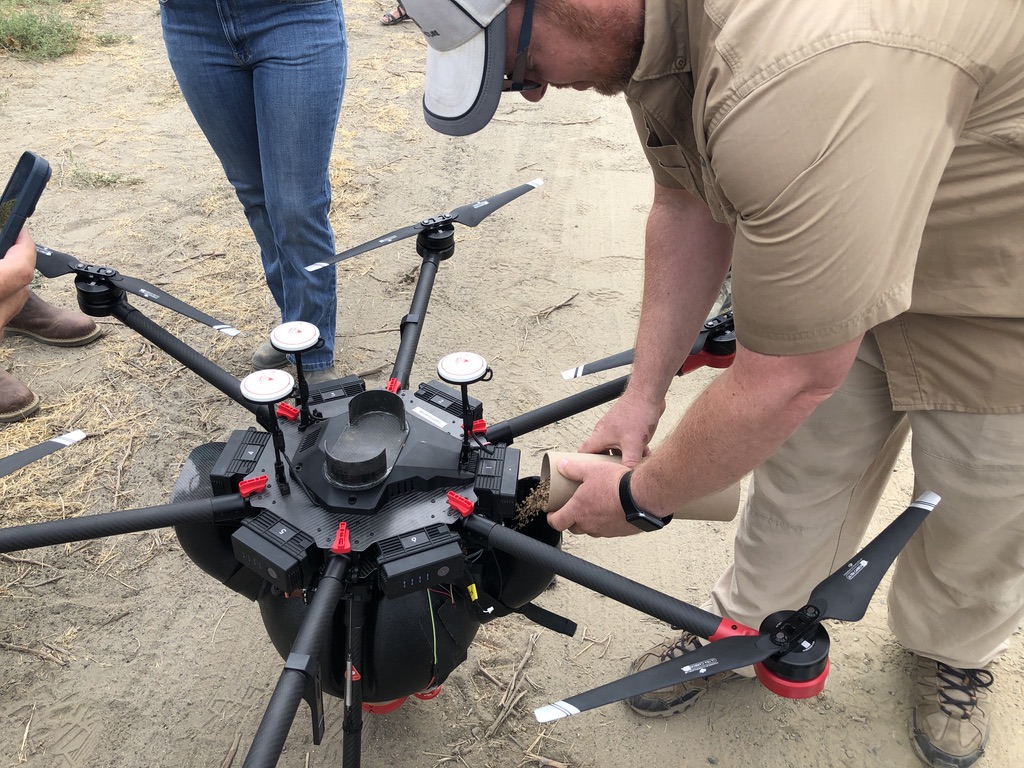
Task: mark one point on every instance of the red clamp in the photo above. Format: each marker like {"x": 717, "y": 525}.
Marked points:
{"x": 393, "y": 386}
{"x": 460, "y": 504}
{"x": 287, "y": 411}
{"x": 479, "y": 427}
{"x": 253, "y": 485}
{"x": 702, "y": 358}
{"x": 341, "y": 545}
{"x": 730, "y": 628}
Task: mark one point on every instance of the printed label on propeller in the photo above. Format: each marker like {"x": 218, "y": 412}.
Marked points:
{"x": 854, "y": 569}
{"x": 702, "y": 666}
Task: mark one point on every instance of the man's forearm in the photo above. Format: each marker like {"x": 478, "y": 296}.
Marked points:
{"x": 686, "y": 258}
{"x": 759, "y": 395}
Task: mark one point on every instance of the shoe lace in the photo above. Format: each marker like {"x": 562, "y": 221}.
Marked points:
{"x": 685, "y": 644}
{"x": 958, "y": 689}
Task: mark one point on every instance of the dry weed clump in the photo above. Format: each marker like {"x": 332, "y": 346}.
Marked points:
{"x": 534, "y": 504}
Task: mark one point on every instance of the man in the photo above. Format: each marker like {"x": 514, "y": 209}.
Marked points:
{"x": 861, "y": 166}
{"x": 23, "y": 312}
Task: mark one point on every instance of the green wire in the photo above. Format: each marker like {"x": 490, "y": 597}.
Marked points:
{"x": 433, "y": 627}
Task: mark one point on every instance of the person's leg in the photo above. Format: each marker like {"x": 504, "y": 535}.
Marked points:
{"x": 218, "y": 52}
{"x": 43, "y": 322}
{"x": 211, "y": 64}
{"x": 299, "y": 83}
{"x": 396, "y": 15}
{"x": 809, "y": 505}
{"x": 957, "y": 593}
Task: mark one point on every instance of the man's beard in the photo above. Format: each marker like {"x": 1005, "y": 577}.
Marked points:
{"x": 620, "y": 36}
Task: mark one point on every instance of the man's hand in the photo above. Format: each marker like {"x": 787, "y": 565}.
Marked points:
{"x": 16, "y": 271}
{"x": 594, "y": 508}
{"x": 627, "y": 429}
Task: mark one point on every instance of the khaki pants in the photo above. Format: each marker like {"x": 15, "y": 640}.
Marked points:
{"x": 957, "y": 592}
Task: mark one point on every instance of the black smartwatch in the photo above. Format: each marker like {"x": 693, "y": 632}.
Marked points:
{"x": 645, "y": 521}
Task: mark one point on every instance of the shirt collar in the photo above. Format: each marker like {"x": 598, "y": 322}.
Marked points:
{"x": 666, "y": 38}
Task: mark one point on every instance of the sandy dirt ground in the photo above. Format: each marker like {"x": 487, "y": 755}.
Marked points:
{"x": 120, "y": 652}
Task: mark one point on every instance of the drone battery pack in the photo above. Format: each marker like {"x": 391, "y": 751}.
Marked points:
{"x": 447, "y": 399}
{"x": 237, "y": 459}
{"x": 497, "y": 474}
{"x": 419, "y": 560}
{"x": 339, "y": 389}
{"x": 282, "y": 555}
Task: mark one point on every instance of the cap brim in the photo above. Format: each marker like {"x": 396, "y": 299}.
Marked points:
{"x": 463, "y": 85}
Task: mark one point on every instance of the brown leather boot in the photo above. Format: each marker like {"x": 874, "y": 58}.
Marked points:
{"x": 16, "y": 400}
{"x": 53, "y": 325}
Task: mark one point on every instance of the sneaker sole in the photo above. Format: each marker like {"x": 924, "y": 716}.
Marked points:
{"x": 664, "y": 712}
{"x": 944, "y": 760}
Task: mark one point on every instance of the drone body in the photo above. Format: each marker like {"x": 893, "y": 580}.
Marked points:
{"x": 399, "y": 519}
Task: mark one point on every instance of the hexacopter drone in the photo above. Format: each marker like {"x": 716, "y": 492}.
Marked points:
{"x": 377, "y": 529}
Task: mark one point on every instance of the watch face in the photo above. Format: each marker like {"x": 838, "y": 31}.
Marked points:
{"x": 644, "y": 521}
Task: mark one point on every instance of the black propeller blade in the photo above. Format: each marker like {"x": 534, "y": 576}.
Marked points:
{"x": 23, "y": 458}
{"x": 718, "y": 324}
{"x": 53, "y": 263}
{"x": 470, "y": 215}
{"x": 722, "y": 655}
{"x": 844, "y": 595}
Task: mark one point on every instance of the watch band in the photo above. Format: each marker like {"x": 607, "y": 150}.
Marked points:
{"x": 642, "y": 519}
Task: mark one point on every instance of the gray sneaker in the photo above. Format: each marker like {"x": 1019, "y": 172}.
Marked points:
{"x": 319, "y": 377}
{"x": 266, "y": 357}
{"x": 677, "y": 698}
{"x": 950, "y": 725}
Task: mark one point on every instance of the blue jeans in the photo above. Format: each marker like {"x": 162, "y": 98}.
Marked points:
{"x": 264, "y": 80}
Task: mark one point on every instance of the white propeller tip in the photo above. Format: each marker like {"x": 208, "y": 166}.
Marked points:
{"x": 573, "y": 373}
{"x": 227, "y": 329}
{"x": 70, "y": 438}
{"x": 315, "y": 267}
{"x": 555, "y": 711}
{"x": 536, "y": 182}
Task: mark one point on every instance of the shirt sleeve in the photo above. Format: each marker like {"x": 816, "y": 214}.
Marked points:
{"x": 828, "y": 170}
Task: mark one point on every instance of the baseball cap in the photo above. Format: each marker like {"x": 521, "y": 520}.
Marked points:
{"x": 465, "y": 61}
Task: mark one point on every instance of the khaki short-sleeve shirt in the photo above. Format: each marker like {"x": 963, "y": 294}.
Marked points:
{"x": 869, "y": 158}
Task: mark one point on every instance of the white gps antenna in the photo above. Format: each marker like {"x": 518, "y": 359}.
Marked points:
{"x": 463, "y": 369}
{"x": 269, "y": 387}
{"x": 294, "y": 338}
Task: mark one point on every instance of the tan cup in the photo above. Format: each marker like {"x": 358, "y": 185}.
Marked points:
{"x": 718, "y": 506}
